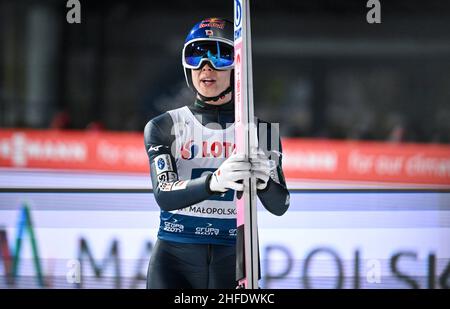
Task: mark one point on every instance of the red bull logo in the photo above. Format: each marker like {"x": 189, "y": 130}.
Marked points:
{"x": 213, "y": 23}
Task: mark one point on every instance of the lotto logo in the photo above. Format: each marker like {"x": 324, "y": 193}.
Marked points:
{"x": 215, "y": 149}
{"x": 189, "y": 150}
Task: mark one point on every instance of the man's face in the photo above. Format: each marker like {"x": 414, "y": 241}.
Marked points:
{"x": 210, "y": 82}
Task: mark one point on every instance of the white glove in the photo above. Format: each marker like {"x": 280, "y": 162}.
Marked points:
{"x": 232, "y": 170}
{"x": 261, "y": 169}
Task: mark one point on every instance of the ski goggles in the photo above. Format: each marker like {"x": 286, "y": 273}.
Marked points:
{"x": 219, "y": 54}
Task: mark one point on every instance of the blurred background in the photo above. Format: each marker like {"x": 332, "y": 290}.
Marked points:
{"x": 362, "y": 108}
{"x": 319, "y": 67}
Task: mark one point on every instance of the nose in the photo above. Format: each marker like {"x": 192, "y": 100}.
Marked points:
{"x": 207, "y": 67}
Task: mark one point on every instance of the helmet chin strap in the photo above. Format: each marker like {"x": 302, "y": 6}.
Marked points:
{"x": 216, "y": 98}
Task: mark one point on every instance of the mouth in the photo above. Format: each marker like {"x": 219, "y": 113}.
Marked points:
{"x": 208, "y": 81}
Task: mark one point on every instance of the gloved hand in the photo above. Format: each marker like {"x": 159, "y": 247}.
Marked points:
{"x": 228, "y": 175}
{"x": 261, "y": 169}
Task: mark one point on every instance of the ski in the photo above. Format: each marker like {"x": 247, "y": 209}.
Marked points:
{"x": 247, "y": 253}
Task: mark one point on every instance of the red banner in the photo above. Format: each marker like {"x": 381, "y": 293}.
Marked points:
{"x": 80, "y": 150}
{"x": 367, "y": 161}
{"x": 303, "y": 159}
